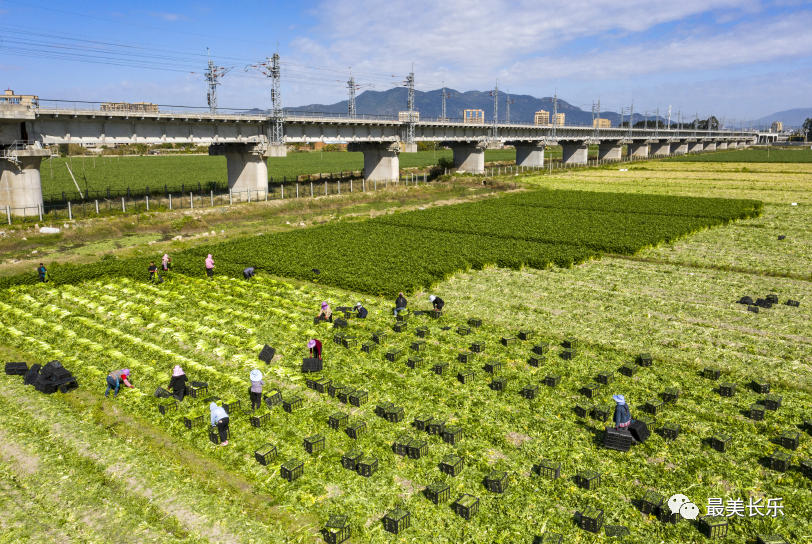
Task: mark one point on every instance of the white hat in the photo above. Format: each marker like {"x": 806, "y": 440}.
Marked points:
{"x": 432, "y": 297}
{"x": 358, "y": 305}
{"x": 256, "y": 375}
{"x": 620, "y": 399}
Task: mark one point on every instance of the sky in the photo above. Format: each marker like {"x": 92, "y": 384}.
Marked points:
{"x": 740, "y": 59}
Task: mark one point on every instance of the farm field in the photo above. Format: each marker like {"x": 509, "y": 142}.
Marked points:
{"x": 752, "y": 155}
{"x": 682, "y": 311}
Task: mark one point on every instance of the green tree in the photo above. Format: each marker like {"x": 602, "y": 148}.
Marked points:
{"x": 807, "y": 128}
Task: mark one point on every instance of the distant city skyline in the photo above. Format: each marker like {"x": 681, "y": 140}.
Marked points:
{"x": 729, "y": 58}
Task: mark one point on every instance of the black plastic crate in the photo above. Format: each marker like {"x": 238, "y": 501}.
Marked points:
{"x": 435, "y": 426}
{"x": 466, "y": 506}
{"x": 497, "y": 481}
{"x": 727, "y": 389}
{"x": 591, "y": 519}
{"x": 440, "y": 368}
{"x": 670, "y": 431}
{"x": 644, "y": 359}
{"x": 602, "y": 412}
{"x": 340, "y": 323}
{"x": 760, "y": 387}
{"x": 232, "y": 406}
{"x": 343, "y": 396}
{"x": 338, "y": 420}
{"x": 367, "y": 466}
{"x": 772, "y": 299}
{"x": 606, "y": 378}
{"x": 720, "y": 441}
{"x": 475, "y": 322}
{"x": 569, "y": 354}
{"x": 549, "y": 469}
{"x": 806, "y": 468}
{"x": 764, "y": 303}
{"x": 394, "y": 414}
{"x": 712, "y": 373}
{"x": 671, "y": 394}
{"x": 617, "y": 439}
{"x": 414, "y": 362}
{"x": 291, "y": 404}
{"x": 808, "y": 425}
{"x": 259, "y": 421}
{"x": 335, "y": 388}
{"x": 314, "y": 443}
{"x": 477, "y": 347}
{"x": 793, "y": 303}
{"x": 322, "y": 384}
{"x": 379, "y": 337}
{"x": 401, "y": 445}
{"x": 771, "y": 539}
{"x": 452, "y": 465}
{"x": 356, "y": 430}
{"x": 493, "y": 367}
{"x": 291, "y": 470}
{"x": 552, "y": 380}
{"x": 654, "y": 406}
{"x": 209, "y": 400}
{"x": 618, "y": 531}
{"x": 588, "y": 479}
{"x": 780, "y": 461}
{"x": 367, "y": 347}
{"x": 381, "y": 408}
{"x": 265, "y": 454}
{"x": 16, "y": 369}
{"x": 338, "y": 337}
{"x": 541, "y": 349}
{"x": 421, "y": 422}
{"x": 526, "y": 335}
{"x": 536, "y": 360}
{"x": 168, "y": 406}
{"x": 772, "y": 402}
{"x": 214, "y": 435}
{"x": 452, "y": 435}
{"x": 438, "y": 492}
{"x": 465, "y": 375}
{"x": 651, "y": 502}
{"x": 396, "y": 521}
{"x": 349, "y": 341}
{"x": 359, "y": 398}
{"x": 193, "y": 422}
{"x": 591, "y": 390}
{"x": 464, "y": 331}
{"x": 530, "y": 391}
{"x": 508, "y": 340}
{"x": 417, "y": 449}
{"x": 435, "y": 314}
{"x": 570, "y": 343}
{"x": 664, "y": 515}
{"x": 419, "y": 345}
{"x": 790, "y": 440}
{"x": 499, "y": 383}
{"x": 337, "y": 530}
{"x": 465, "y": 357}
{"x": 350, "y": 459}
{"x": 273, "y": 398}
{"x": 629, "y": 369}
{"x": 551, "y": 538}
{"x": 753, "y": 309}
{"x": 757, "y": 412}
{"x": 422, "y": 332}
{"x": 713, "y": 526}
{"x": 403, "y": 316}
{"x": 393, "y": 355}
{"x": 317, "y": 320}
{"x": 583, "y": 409}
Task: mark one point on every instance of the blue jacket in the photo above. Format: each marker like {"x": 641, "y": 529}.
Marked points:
{"x": 622, "y": 414}
{"x": 217, "y": 413}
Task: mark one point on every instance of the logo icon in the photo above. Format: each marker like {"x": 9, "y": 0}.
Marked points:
{"x": 682, "y": 505}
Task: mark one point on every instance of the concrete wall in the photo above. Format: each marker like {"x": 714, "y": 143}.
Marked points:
{"x": 695, "y": 147}
{"x": 381, "y": 161}
{"x": 21, "y": 184}
{"x": 710, "y": 146}
{"x": 529, "y": 155}
{"x": 637, "y": 149}
{"x": 679, "y": 148}
{"x": 574, "y": 152}
{"x": 659, "y": 149}
{"x": 468, "y": 156}
{"x": 612, "y": 151}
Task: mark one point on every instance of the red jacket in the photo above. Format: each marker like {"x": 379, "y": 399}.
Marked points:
{"x": 316, "y": 351}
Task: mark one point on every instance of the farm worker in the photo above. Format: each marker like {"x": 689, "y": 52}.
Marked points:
{"x": 437, "y": 302}
{"x": 362, "y": 312}
{"x": 165, "y": 260}
{"x": 256, "y": 389}
{"x": 326, "y": 312}
{"x": 41, "y": 271}
{"x": 114, "y": 380}
{"x": 400, "y": 303}
{"x": 622, "y": 417}
{"x": 315, "y": 348}
{"x": 219, "y": 418}
{"x": 248, "y": 272}
{"x": 153, "y": 272}
{"x": 209, "y": 266}
{"x": 178, "y": 383}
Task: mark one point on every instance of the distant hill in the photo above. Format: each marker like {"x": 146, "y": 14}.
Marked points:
{"x": 429, "y": 104}
{"x": 790, "y": 118}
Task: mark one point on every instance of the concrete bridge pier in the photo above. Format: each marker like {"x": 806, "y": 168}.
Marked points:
{"x": 381, "y": 161}
{"x": 529, "y": 154}
{"x": 679, "y": 147}
{"x": 611, "y": 151}
{"x": 468, "y": 156}
{"x": 637, "y": 149}
{"x": 20, "y": 181}
{"x": 721, "y": 145}
{"x": 732, "y": 145}
{"x": 574, "y": 152}
{"x": 696, "y": 147}
{"x": 245, "y": 164}
{"x": 660, "y": 149}
{"x": 710, "y": 146}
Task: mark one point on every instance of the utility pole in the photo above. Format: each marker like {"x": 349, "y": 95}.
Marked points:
{"x": 213, "y": 75}
{"x": 596, "y": 116}
{"x": 669, "y": 117}
{"x": 631, "y": 118}
{"x": 495, "y": 95}
{"x": 410, "y": 104}
{"x": 657, "y": 122}
{"x": 277, "y": 138}
{"x": 351, "y": 101}
{"x": 554, "y": 100}
{"x": 508, "y": 101}
{"x": 442, "y": 117}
